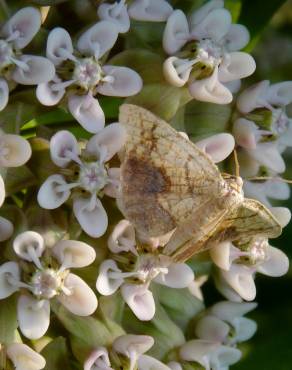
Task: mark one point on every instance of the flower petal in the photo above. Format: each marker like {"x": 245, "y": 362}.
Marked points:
{"x": 98, "y": 39}
{"x": 59, "y": 45}
{"x": 18, "y": 150}
{"x": 150, "y": 10}
{"x": 236, "y": 65}
{"x": 174, "y": 365}
{"x": 49, "y": 195}
{"x": 197, "y": 350}
{"x": 106, "y": 283}
{"x": 110, "y": 140}
{"x": 47, "y": 96}
{"x": 280, "y": 93}
{"x": 210, "y": 90}
{"x": 199, "y": 15}
{"x": 27, "y": 22}
{"x": 91, "y": 217}
{"x": 6, "y": 229}
{"x": 123, "y": 82}
{"x": 123, "y": 238}
{"x": 39, "y": 70}
{"x": 113, "y": 188}
{"x": 24, "y": 358}
{"x": 87, "y": 111}
{"x": 240, "y": 278}
{"x": 4, "y": 93}
{"x": 244, "y": 329}
{"x": 245, "y": 133}
{"x": 63, "y": 147}
{"x": 228, "y": 311}
{"x": 73, "y": 254}
{"x": 116, "y": 13}
{"x": 33, "y": 316}
{"x": 140, "y": 300}
{"x": 252, "y": 97}
{"x": 146, "y": 362}
{"x": 82, "y": 300}
{"x": 179, "y": 276}
{"x": 277, "y": 263}
{"x": 171, "y": 73}
{"x": 267, "y": 154}
{"x": 8, "y": 270}
{"x": 2, "y": 191}
{"x": 29, "y": 244}
{"x": 218, "y": 147}
{"x": 282, "y": 214}
{"x": 98, "y": 359}
{"x": 237, "y": 37}
{"x": 211, "y": 328}
{"x": 176, "y": 32}
{"x": 220, "y": 255}
{"x": 224, "y": 356}
{"x": 129, "y": 343}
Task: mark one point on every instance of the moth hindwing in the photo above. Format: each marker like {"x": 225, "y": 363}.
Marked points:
{"x": 168, "y": 183}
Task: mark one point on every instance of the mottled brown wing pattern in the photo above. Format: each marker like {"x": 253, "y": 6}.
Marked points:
{"x": 165, "y": 177}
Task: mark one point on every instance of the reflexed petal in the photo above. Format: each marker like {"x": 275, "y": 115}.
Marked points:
{"x": 8, "y": 269}
{"x": 2, "y": 191}
{"x": 4, "y": 93}
{"x": 150, "y": 10}
{"x": 106, "y": 284}
{"x": 214, "y": 26}
{"x": 98, "y": 39}
{"x": 174, "y": 365}
{"x": 233, "y": 86}
{"x": 282, "y": 214}
{"x": 224, "y": 356}
{"x": 116, "y": 13}
{"x": 277, "y": 263}
{"x": 92, "y": 218}
{"x": 99, "y": 356}
{"x": 220, "y": 255}
{"x": 237, "y": 37}
{"x": 33, "y": 316}
{"x": 82, "y": 300}
{"x": 210, "y": 90}
{"x": 122, "y": 239}
{"x": 171, "y": 74}
{"x": 87, "y": 111}
{"x": 197, "y": 350}
{"x": 18, "y": 150}
{"x": 176, "y": 32}
{"x": 200, "y": 14}
{"x": 113, "y": 188}
{"x": 123, "y": 82}
{"x": 130, "y": 344}
{"x": 63, "y": 147}
{"x": 24, "y": 358}
{"x": 225, "y": 289}
{"x": 47, "y": 96}
{"x": 73, "y": 254}
{"x": 195, "y": 287}
{"x": 244, "y": 132}
{"x": 6, "y": 229}
{"x": 59, "y": 45}
{"x": 49, "y": 196}
{"x": 252, "y": 97}
{"x": 280, "y": 93}
{"x": 218, "y": 147}
{"x": 245, "y": 329}
{"x": 27, "y": 21}
{"x": 40, "y": 70}
{"x": 140, "y": 300}
{"x": 236, "y": 65}
{"x": 240, "y": 278}
{"x": 228, "y": 311}
{"x": 111, "y": 139}
{"x": 179, "y": 275}
{"x": 268, "y": 155}
{"x": 29, "y": 244}
{"x": 146, "y": 362}
{"x": 211, "y": 328}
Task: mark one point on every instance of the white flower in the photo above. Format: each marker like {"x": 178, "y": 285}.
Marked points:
{"x": 24, "y": 358}
{"x": 143, "y": 10}
{"x": 238, "y": 267}
{"x": 86, "y": 174}
{"x": 16, "y": 34}
{"x": 224, "y": 323}
{"x": 81, "y": 75}
{"x": 204, "y": 52}
{"x": 138, "y": 269}
{"x": 48, "y": 278}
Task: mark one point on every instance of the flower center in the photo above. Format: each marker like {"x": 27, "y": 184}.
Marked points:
{"x": 6, "y": 53}
{"x": 87, "y": 73}
{"x": 150, "y": 266}
{"x": 258, "y": 250}
{"x": 4, "y": 150}
{"x": 93, "y": 177}
{"x": 46, "y": 283}
{"x": 280, "y": 121}
{"x": 209, "y": 52}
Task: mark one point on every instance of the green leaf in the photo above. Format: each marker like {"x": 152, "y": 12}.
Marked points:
{"x": 146, "y": 35}
{"x": 8, "y": 319}
{"x": 56, "y": 354}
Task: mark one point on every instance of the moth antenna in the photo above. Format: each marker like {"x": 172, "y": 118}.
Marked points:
{"x": 237, "y": 167}
{"x": 259, "y": 178}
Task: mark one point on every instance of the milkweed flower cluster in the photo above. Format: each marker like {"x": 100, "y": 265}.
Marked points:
{"x": 80, "y": 285}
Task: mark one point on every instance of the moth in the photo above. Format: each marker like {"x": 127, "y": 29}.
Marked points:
{"x": 167, "y": 183}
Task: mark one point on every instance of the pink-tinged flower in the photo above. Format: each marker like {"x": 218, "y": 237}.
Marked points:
{"x": 120, "y": 13}
{"x": 204, "y": 52}
{"x": 43, "y": 274}
{"x": 16, "y": 67}
{"x": 24, "y": 358}
{"x": 237, "y": 267}
{"x": 87, "y": 176}
{"x": 130, "y": 347}
{"x": 81, "y": 74}
{"x": 134, "y": 273}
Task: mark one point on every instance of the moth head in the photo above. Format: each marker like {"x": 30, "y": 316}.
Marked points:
{"x": 234, "y": 184}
